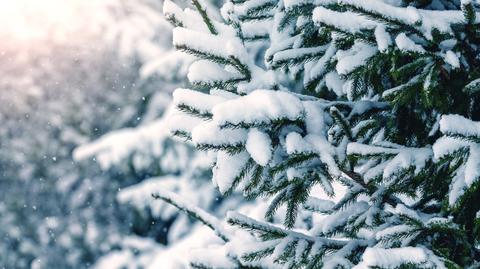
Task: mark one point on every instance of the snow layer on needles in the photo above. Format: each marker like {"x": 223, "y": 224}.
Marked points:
{"x": 187, "y": 17}
{"x": 208, "y": 43}
{"x": 204, "y": 71}
{"x": 140, "y": 195}
{"x": 195, "y": 99}
{"x": 259, "y": 146}
{"x": 397, "y": 229}
{"x": 457, "y": 187}
{"x": 334, "y": 83}
{"x": 331, "y": 222}
{"x": 407, "y": 16}
{"x": 406, "y": 44}
{"x": 346, "y": 21}
{"x": 182, "y": 122}
{"x": 452, "y": 59}
{"x": 314, "y": 69}
{"x": 447, "y": 145}
{"x": 467, "y": 173}
{"x": 356, "y": 56}
{"x": 295, "y": 3}
{"x": 383, "y": 38}
{"x": 315, "y": 118}
{"x": 456, "y": 124}
{"x": 210, "y": 133}
{"x": 424, "y": 20}
{"x": 215, "y": 256}
{"x": 326, "y": 152}
{"x": 285, "y": 55}
{"x": 115, "y": 147}
{"x": 191, "y": 19}
{"x": 472, "y": 171}
{"x": 241, "y": 9}
{"x": 227, "y": 169}
{"x": 261, "y": 106}
{"x": 407, "y": 158}
{"x": 391, "y": 258}
{"x": 295, "y": 144}
{"x": 177, "y": 254}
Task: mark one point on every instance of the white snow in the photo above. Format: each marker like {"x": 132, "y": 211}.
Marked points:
{"x": 456, "y": 124}
{"x": 209, "y": 133}
{"x": 391, "y": 258}
{"x": 259, "y": 146}
{"x": 334, "y": 83}
{"x": 140, "y": 195}
{"x": 472, "y": 171}
{"x": 366, "y": 150}
{"x": 473, "y": 86}
{"x": 393, "y": 230}
{"x": 295, "y": 144}
{"x": 286, "y": 55}
{"x": 447, "y": 145}
{"x": 383, "y": 38}
{"x": 401, "y": 209}
{"x": 452, "y": 59}
{"x": 188, "y": 18}
{"x": 404, "y": 158}
{"x": 407, "y": 45}
{"x": 214, "y": 256}
{"x": 346, "y": 21}
{"x": 326, "y": 152}
{"x": 408, "y": 15}
{"x": 243, "y": 8}
{"x": 182, "y": 122}
{"x": 458, "y": 186}
{"x": 256, "y": 28}
{"x": 424, "y": 20}
{"x": 195, "y": 99}
{"x": 228, "y": 168}
{"x": 314, "y": 69}
{"x": 407, "y": 158}
{"x": 356, "y": 56}
{"x": 263, "y": 106}
{"x": 204, "y": 71}
{"x": 319, "y": 205}
{"x": 331, "y": 222}
{"x": 114, "y": 147}
{"x": 217, "y": 46}
{"x": 315, "y": 118}
{"x": 289, "y": 4}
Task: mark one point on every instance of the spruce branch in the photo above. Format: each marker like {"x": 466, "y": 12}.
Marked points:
{"x": 469, "y": 12}
{"x": 340, "y": 119}
{"x": 193, "y": 211}
{"x": 206, "y": 19}
{"x": 237, "y": 219}
{"x": 229, "y": 148}
{"x": 182, "y": 134}
{"x": 193, "y": 111}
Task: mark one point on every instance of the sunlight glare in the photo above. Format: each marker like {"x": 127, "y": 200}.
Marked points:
{"x": 28, "y": 20}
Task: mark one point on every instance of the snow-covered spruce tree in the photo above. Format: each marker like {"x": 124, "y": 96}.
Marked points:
{"x": 377, "y": 96}
{"x": 143, "y": 158}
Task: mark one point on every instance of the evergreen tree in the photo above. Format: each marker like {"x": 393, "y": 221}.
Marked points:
{"x": 373, "y": 101}
{"x": 145, "y": 158}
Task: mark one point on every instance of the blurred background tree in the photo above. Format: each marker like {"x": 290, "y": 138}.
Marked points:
{"x": 72, "y": 71}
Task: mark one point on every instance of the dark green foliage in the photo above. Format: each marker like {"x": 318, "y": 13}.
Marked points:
{"x": 380, "y": 138}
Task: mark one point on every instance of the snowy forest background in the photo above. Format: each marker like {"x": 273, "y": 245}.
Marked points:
{"x": 239, "y": 134}
{"x": 71, "y": 72}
